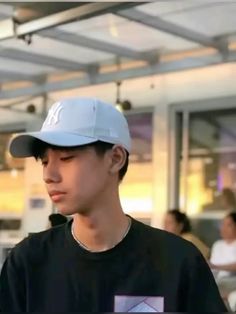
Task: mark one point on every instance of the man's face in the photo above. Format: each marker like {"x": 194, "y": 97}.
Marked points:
{"x": 76, "y": 180}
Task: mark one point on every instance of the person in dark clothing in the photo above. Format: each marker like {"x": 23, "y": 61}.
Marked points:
{"x": 56, "y": 219}
{"x": 103, "y": 260}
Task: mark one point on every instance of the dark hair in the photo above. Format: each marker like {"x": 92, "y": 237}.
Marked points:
{"x": 232, "y": 215}
{"x": 100, "y": 148}
{"x": 181, "y": 218}
{"x": 57, "y": 219}
{"x": 229, "y": 196}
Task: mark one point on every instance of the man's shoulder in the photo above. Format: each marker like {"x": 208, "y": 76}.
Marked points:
{"x": 47, "y": 235}
{"x": 161, "y": 240}
{"x": 156, "y": 234}
{"x": 40, "y": 241}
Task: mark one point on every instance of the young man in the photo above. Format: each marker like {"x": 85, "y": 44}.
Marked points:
{"x": 103, "y": 261}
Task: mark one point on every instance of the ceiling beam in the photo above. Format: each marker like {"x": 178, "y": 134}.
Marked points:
{"x": 6, "y": 76}
{"x": 218, "y": 126}
{"x": 8, "y": 105}
{"x": 168, "y": 27}
{"x": 85, "y": 11}
{"x": 58, "y": 63}
{"x": 7, "y": 29}
{"x": 80, "y": 40}
{"x": 159, "y": 68}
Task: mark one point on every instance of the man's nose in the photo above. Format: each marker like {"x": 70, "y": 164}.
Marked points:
{"x": 51, "y": 173}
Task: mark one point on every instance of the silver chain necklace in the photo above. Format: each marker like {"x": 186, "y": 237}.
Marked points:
{"x": 88, "y": 249}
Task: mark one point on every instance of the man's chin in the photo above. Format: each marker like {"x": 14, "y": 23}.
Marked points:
{"x": 68, "y": 212}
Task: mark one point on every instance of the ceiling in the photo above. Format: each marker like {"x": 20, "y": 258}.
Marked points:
{"x": 48, "y": 46}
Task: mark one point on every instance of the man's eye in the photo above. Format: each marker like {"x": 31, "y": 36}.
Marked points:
{"x": 67, "y": 158}
{"x": 44, "y": 162}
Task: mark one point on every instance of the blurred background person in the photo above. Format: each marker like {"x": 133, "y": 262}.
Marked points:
{"x": 228, "y": 200}
{"x": 178, "y": 223}
{"x": 232, "y": 300}
{"x": 223, "y": 256}
{"x": 56, "y": 220}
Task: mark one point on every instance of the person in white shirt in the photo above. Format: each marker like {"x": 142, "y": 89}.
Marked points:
{"x": 223, "y": 256}
{"x": 232, "y": 301}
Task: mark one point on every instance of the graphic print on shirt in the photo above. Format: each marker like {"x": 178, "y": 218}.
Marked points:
{"x": 138, "y": 304}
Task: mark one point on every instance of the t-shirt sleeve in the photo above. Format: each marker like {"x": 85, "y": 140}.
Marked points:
{"x": 200, "y": 293}
{"x": 12, "y": 284}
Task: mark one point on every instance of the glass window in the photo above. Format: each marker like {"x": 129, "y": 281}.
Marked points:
{"x": 211, "y": 160}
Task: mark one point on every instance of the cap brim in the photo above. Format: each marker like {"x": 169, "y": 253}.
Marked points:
{"x": 22, "y": 144}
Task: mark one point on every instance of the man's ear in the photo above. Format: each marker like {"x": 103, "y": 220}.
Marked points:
{"x": 118, "y": 158}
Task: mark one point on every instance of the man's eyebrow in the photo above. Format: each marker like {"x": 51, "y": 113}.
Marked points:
{"x": 65, "y": 150}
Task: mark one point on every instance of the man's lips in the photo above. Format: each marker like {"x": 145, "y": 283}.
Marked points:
{"x": 56, "y": 196}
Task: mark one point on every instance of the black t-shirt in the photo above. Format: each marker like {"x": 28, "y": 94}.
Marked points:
{"x": 149, "y": 270}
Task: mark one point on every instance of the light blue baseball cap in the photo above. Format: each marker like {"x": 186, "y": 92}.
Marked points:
{"x": 75, "y": 122}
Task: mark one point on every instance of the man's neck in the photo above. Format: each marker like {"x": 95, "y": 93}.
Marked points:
{"x": 101, "y": 230}
{"x": 229, "y": 241}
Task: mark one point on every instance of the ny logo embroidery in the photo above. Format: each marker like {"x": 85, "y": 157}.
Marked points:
{"x": 54, "y": 114}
